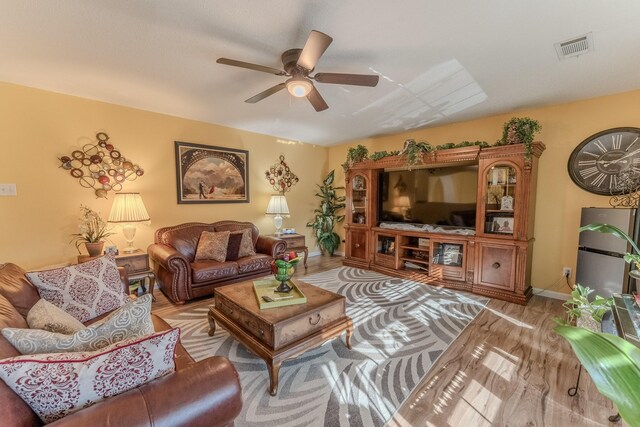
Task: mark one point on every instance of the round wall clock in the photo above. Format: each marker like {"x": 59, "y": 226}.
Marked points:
{"x": 599, "y": 163}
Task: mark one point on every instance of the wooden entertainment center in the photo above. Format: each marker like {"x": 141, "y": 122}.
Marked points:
{"x": 495, "y": 260}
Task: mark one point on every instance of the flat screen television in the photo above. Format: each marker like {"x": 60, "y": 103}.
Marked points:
{"x": 436, "y": 196}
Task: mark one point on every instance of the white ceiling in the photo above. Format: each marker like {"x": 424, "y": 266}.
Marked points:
{"x": 439, "y": 61}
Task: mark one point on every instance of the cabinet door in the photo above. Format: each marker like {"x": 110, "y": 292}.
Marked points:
{"x": 359, "y": 190}
{"x": 499, "y": 200}
{"x": 358, "y": 244}
{"x": 496, "y": 266}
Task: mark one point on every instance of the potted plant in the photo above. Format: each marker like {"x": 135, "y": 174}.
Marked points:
{"x": 520, "y": 130}
{"x": 326, "y": 216}
{"x": 92, "y": 232}
{"x": 587, "y": 314}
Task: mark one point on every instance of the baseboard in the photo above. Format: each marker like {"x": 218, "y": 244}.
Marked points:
{"x": 551, "y": 294}
{"x": 318, "y": 253}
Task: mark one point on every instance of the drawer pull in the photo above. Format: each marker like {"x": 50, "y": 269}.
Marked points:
{"x": 357, "y": 245}
{"x": 311, "y": 322}
{"x": 496, "y": 265}
{"x": 254, "y": 326}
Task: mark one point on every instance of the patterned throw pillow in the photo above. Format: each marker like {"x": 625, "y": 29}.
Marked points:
{"x": 44, "y": 315}
{"x": 246, "y": 245}
{"x": 85, "y": 290}
{"x": 58, "y": 384}
{"x": 212, "y": 245}
{"x": 131, "y": 321}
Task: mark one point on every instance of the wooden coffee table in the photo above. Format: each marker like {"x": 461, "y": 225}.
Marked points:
{"x": 278, "y": 334}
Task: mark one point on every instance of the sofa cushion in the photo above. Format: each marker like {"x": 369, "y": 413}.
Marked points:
{"x": 46, "y": 316}
{"x": 84, "y": 290}
{"x": 254, "y": 263}
{"x": 212, "y": 246}
{"x": 15, "y": 287}
{"x": 238, "y": 226}
{"x": 185, "y": 239}
{"x": 133, "y": 320}
{"x": 57, "y": 384}
{"x": 233, "y": 248}
{"x": 212, "y": 270}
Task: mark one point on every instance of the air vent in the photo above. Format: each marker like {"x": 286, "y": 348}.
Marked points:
{"x": 575, "y": 47}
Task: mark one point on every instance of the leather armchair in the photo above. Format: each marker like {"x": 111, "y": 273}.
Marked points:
{"x": 181, "y": 279}
{"x": 204, "y": 393}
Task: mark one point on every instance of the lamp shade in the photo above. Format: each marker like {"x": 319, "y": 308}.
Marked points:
{"x": 277, "y": 205}
{"x": 128, "y": 207}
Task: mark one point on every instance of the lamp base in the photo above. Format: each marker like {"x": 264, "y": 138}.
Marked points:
{"x": 129, "y": 250}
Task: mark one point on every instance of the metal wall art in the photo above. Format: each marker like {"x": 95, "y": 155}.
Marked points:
{"x": 207, "y": 174}
{"x": 281, "y": 177}
{"x": 626, "y": 193}
{"x": 100, "y": 166}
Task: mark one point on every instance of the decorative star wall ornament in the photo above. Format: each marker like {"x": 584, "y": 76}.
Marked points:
{"x": 100, "y": 166}
{"x": 281, "y": 177}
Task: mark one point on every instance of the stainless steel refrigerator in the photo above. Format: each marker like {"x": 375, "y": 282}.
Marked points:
{"x": 600, "y": 256}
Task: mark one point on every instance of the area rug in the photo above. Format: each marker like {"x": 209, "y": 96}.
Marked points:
{"x": 400, "y": 328}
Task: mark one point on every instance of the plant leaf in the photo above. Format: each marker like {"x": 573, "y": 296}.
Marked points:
{"x": 614, "y": 366}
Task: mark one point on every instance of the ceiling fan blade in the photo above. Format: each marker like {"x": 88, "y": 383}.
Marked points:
{"x": 347, "y": 79}
{"x": 262, "y": 95}
{"x": 250, "y": 66}
{"x": 316, "y": 100}
{"x": 313, "y": 49}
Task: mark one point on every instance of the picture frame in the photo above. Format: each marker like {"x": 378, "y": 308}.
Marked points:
{"x": 210, "y": 174}
{"x": 503, "y": 225}
{"x": 452, "y": 254}
{"x": 111, "y": 250}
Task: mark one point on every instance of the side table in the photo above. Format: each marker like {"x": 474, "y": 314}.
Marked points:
{"x": 136, "y": 264}
{"x": 295, "y": 243}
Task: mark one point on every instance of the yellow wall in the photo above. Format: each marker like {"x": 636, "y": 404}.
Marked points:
{"x": 37, "y": 127}
{"x": 559, "y": 200}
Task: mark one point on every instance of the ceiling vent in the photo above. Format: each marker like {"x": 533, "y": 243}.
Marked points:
{"x": 575, "y": 47}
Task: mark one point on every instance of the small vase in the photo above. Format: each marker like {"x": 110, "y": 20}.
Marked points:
{"x": 94, "y": 249}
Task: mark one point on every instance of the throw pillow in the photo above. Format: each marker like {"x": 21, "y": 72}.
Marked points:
{"x": 44, "y": 315}
{"x": 133, "y": 320}
{"x": 246, "y": 245}
{"x": 233, "y": 248}
{"x": 85, "y": 290}
{"x": 212, "y": 245}
{"x": 58, "y": 384}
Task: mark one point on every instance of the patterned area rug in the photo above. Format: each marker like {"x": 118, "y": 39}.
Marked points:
{"x": 400, "y": 328}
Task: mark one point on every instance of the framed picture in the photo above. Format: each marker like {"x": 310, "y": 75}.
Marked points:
{"x": 452, "y": 254}
{"x": 207, "y": 174}
{"x": 503, "y": 225}
{"x": 111, "y": 250}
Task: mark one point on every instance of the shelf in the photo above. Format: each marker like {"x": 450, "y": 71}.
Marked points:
{"x": 498, "y": 211}
{"x": 391, "y": 255}
{"x": 415, "y": 260}
{"x": 416, "y": 248}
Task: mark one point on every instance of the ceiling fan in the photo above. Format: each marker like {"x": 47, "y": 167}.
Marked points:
{"x": 298, "y": 64}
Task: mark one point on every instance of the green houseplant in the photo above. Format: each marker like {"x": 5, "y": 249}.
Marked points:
{"x": 93, "y": 231}
{"x": 614, "y": 367}
{"x": 326, "y": 215}
{"x": 587, "y": 314}
{"x": 520, "y": 130}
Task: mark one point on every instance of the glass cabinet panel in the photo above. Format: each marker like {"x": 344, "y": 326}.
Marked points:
{"x": 359, "y": 197}
{"x": 499, "y": 200}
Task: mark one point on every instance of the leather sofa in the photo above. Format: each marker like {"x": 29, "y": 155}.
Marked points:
{"x": 205, "y": 393}
{"x": 181, "y": 279}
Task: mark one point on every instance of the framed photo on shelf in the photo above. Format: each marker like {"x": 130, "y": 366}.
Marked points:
{"x": 207, "y": 174}
{"x": 503, "y": 225}
{"x": 452, "y": 254}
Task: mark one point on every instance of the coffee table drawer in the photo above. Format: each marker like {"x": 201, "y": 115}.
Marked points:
{"x": 301, "y": 326}
{"x": 256, "y": 327}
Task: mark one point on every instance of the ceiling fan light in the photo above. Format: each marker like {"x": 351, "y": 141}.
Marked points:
{"x": 299, "y": 86}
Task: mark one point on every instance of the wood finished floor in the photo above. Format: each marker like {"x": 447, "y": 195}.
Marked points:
{"x": 507, "y": 368}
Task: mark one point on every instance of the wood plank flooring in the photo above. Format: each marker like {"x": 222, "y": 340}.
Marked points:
{"x": 507, "y": 368}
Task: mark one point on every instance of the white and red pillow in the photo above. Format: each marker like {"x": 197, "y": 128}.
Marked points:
{"x": 58, "y": 384}
{"x": 84, "y": 290}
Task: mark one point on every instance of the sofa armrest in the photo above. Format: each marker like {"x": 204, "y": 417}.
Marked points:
{"x": 169, "y": 258}
{"x": 270, "y": 245}
{"x": 206, "y": 393}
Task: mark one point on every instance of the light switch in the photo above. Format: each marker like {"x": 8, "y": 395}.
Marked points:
{"x": 8, "y": 190}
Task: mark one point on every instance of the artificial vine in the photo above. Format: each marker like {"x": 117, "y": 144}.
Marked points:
{"x": 515, "y": 131}
{"x": 520, "y": 131}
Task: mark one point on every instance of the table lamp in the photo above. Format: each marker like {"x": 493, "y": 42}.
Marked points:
{"x": 127, "y": 210}
{"x": 277, "y": 207}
